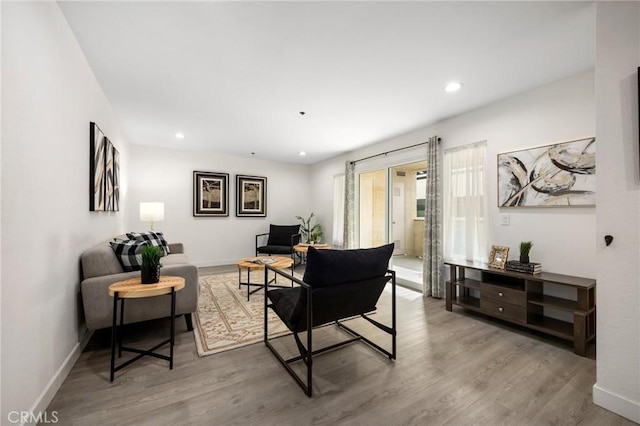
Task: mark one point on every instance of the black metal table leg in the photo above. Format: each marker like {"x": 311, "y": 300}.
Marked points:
{"x": 248, "y": 283}
{"x": 121, "y": 328}
{"x": 173, "y": 327}
{"x": 113, "y": 336}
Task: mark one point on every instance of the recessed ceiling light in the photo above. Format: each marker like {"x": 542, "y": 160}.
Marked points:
{"x": 454, "y": 86}
{"x": 179, "y": 135}
{"x": 302, "y": 153}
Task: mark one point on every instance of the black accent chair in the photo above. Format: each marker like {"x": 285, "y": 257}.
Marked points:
{"x": 337, "y": 285}
{"x": 280, "y": 240}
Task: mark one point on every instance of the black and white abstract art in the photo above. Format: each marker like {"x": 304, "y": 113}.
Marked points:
{"x": 97, "y": 148}
{"x": 104, "y": 178}
{"x": 562, "y": 174}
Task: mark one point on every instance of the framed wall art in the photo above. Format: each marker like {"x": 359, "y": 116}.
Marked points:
{"x": 111, "y": 175}
{"x": 562, "y": 174}
{"x": 210, "y": 194}
{"x": 251, "y": 196}
{"x": 104, "y": 172}
{"x": 97, "y": 150}
{"x": 115, "y": 182}
{"x": 498, "y": 256}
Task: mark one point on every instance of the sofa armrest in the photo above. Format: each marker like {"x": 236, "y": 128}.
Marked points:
{"x": 176, "y": 248}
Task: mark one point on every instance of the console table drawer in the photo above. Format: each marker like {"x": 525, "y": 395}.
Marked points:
{"x": 502, "y": 294}
{"x": 503, "y": 310}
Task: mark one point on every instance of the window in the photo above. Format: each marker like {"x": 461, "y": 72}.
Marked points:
{"x": 465, "y": 203}
{"x": 421, "y": 190}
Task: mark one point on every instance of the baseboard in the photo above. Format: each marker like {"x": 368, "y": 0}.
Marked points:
{"x": 616, "y": 403}
{"x": 45, "y": 398}
{"x": 216, "y": 263}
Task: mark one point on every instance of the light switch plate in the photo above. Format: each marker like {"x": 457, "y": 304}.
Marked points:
{"x": 504, "y": 219}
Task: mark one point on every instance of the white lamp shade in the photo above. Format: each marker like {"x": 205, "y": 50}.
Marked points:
{"x": 151, "y": 211}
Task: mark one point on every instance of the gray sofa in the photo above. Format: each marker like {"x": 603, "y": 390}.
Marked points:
{"x": 100, "y": 268}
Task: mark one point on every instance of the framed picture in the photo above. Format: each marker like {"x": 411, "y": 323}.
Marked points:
{"x": 111, "y": 175}
{"x": 210, "y": 194}
{"x": 116, "y": 180}
{"x": 97, "y": 159}
{"x": 498, "y": 256}
{"x": 562, "y": 174}
{"x": 251, "y": 196}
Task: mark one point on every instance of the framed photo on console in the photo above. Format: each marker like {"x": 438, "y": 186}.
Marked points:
{"x": 210, "y": 194}
{"x": 498, "y": 256}
{"x": 251, "y": 196}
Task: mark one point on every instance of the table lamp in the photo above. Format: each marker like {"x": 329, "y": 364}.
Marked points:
{"x": 151, "y": 211}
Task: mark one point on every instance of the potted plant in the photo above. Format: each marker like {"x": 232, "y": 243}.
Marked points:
{"x": 316, "y": 236}
{"x": 150, "y": 271}
{"x": 310, "y": 234}
{"x": 525, "y": 248}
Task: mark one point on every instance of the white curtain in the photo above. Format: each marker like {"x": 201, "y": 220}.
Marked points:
{"x": 349, "y": 239}
{"x": 465, "y": 203}
{"x": 432, "y": 279}
{"x": 338, "y": 211}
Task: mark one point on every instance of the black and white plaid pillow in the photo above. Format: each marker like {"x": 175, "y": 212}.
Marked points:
{"x": 154, "y": 238}
{"x": 129, "y": 253}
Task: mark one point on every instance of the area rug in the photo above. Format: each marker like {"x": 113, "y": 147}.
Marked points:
{"x": 225, "y": 320}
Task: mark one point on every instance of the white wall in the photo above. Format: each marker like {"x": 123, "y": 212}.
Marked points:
{"x": 618, "y": 209}
{"x": 563, "y": 238}
{"x": 554, "y": 113}
{"x": 0, "y": 208}
{"x": 49, "y": 97}
{"x": 167, "y": 175}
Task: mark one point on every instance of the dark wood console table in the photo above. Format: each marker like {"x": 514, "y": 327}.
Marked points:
{"x": 521, "y": 299}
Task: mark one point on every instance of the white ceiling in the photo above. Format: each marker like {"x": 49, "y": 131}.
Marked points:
{"x": 233, "y": 76}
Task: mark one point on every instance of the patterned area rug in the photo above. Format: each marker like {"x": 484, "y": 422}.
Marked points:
{"x": 225, "y": 320}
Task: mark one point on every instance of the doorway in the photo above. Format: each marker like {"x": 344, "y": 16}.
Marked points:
{"x": 395, "y": 215}
{"x": 407, "y": 227}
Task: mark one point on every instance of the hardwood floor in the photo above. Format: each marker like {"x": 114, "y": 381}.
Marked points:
{"x": 452, "y": 369}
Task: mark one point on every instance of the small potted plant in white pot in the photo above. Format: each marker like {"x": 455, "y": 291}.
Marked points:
{"x": 150, "y": 271}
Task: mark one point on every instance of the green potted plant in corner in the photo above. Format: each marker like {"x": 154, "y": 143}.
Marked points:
{"x": 150, "y": 271}
{"x": 309, "y": 233}
{"x": 316, "y": 236}
{"x": 525, "y": 248}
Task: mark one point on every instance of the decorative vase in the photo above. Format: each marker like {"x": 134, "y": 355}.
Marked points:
{"x": 524, "y": 258}
{"x": 150, "y": 274}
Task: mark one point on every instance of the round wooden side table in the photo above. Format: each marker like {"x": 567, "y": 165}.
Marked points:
{"x": 301, "y": 250}
{"x": 134, "y": 289}
{"x": 257, "y": 263}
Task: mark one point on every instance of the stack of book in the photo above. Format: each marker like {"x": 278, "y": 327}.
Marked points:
{"x": 526, "y": 268}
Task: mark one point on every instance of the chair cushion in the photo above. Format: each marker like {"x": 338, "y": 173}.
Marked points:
{"x": 275, "y": 249}
{"x": 129, "y": 253}
{"x": 286, "y": 305}
{"x": 331, "y": 267}
{"x": 280, "y": 235}
{"x": 154, "y": 238}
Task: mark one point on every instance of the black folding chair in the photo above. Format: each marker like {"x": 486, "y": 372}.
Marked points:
{"x": 279, "y": 240}
{"x": 337, "y": 285}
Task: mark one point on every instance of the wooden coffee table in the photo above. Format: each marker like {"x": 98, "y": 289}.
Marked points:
{"x": 134, "y": 289}
{"x": 252, "y": 263}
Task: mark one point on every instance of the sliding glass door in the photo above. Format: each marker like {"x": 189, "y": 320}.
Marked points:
{"x": 373, "y": 208}
{"x": 391, "y": 209}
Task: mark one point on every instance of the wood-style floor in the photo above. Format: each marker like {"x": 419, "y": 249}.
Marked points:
{"x": 452, "y": 369}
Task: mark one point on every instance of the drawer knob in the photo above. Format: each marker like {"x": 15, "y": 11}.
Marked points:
{"x": 500, "y": 309}
{"x": 500, "y": 294}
